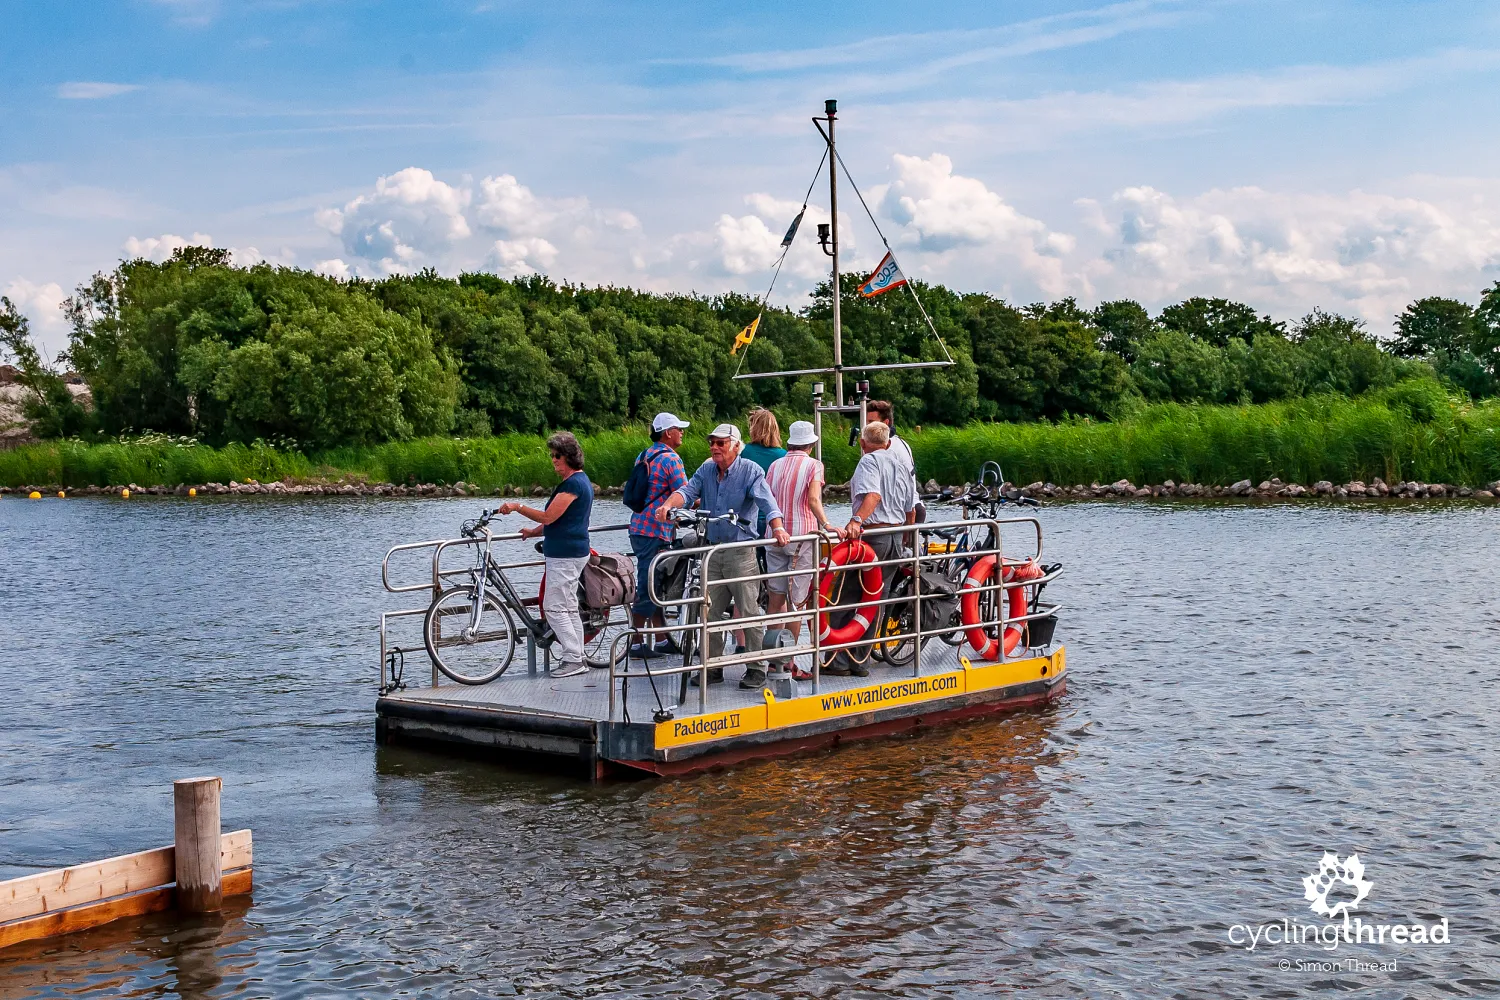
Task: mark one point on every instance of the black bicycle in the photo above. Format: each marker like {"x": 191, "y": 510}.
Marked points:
{"x": 942, "y": 579}
{"x": 471, "y": 630}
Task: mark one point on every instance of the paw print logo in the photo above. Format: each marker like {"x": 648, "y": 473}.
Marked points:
{"x": 1333, "y": 872}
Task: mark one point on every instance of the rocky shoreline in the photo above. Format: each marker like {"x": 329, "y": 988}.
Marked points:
{"x": 1123, "y": 489}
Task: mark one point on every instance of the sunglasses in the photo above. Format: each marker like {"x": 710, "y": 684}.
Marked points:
{"x": 723, "y": 441}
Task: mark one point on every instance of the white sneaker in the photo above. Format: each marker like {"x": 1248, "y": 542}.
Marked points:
{"x": 570, "y": 669}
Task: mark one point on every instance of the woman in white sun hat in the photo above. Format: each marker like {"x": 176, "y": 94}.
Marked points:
{"x": 796, "y": 481}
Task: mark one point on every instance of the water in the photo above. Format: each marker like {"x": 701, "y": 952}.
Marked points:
{"x": 1250, "y": 686}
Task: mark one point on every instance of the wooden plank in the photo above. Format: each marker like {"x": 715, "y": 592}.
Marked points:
{"x": 61, "y": 888}
{"x": 238, "y": 882}
{"x": 236, "y": 850}
{"x": 83, "y": 917}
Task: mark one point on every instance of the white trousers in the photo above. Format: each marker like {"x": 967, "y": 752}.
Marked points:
{"x": 560, "y": 605}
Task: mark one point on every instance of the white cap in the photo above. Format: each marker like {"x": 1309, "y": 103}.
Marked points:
{"x": 800, "y": 433}
{"x": 666, "y": 421}
{"x": 729, "y": 431}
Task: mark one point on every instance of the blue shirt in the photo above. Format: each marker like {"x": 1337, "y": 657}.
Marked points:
{"x": 568, "y": 536}
{"x": 762, "y": 455}
{"x": 742, "y": 487}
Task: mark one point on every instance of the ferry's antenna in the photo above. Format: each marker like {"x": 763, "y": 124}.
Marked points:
{"x": 831, "y": 107}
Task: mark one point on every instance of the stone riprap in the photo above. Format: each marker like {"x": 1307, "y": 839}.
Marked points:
{"x": 1123, "y": 489}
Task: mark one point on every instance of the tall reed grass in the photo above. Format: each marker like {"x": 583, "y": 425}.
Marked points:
{"x": 1412, "y": 431}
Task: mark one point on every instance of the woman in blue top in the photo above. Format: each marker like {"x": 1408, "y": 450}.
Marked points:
{"x": 564, "y": 527}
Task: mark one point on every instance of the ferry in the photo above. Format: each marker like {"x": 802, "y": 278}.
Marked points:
{"x": 952, "y": 627}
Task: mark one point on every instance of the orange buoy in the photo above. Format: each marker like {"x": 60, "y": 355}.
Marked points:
{"x": 986, "y": 646}
{"x": 871, "y": 584}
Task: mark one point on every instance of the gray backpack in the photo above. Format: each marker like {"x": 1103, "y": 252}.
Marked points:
{"x": 608, "y": 580}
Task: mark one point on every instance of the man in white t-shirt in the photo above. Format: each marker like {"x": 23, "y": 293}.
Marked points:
{"x": 900, "y": 450}
{"x": 796, "y": 481}
{"x": 884, "y": 496}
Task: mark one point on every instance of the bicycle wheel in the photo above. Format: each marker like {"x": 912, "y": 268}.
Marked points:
{"x": 955, "y": 576}
{"x": 600, "y": 629}
{"x": 688, "y": 634}
{"x": 469, "y": 658}
{"x": 897, "y": 621}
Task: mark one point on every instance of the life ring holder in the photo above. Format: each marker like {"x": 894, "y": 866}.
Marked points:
{"x": 1014, "y": 576}
{"x": 871, "y": 584}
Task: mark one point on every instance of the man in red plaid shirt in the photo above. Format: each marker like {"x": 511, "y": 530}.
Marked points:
{"x": 648, "y": 535}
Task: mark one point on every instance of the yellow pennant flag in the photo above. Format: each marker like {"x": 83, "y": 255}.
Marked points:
{"x": 745, "y": 336}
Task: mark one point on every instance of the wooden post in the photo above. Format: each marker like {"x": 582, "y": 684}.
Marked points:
{"x": 195, "y": 804}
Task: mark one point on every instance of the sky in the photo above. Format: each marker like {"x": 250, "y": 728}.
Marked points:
{"x": 1292, "y": 155}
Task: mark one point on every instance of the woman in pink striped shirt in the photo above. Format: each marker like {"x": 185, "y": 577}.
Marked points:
{"x": 796, "y": 482}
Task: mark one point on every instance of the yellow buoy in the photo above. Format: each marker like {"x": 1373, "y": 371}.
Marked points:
{"x": 125, "y": 494}
{"x": 35, "y": 495}
{"x": 61, "y": 495}
{"x": 192, "y": 491}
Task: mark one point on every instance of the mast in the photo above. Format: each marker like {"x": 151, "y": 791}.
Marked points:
{"x": 828, "y": 239}
{"x": 832, "y": 108}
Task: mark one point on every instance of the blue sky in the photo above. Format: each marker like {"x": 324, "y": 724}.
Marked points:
{"x": 1289, "y": 154}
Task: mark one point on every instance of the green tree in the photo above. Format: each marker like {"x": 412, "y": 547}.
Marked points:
{"x": 1040, "y": 363}
{"x": 51, "y": 408}
{"x": 1218, "y": 321}
{"x": 195, "y": 345}
{"x": 1434, "y": 327}
{"x": 1122, "y": 325}
{"x": 1170, "y": 365}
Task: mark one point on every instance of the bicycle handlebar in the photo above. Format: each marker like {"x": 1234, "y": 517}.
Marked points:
{"x": 981, "y": 494}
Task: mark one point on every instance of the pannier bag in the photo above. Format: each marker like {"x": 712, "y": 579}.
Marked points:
{"x": 939, "y": 600}
{"x": 608, "y": 580}
{"x": 672, "y": 570}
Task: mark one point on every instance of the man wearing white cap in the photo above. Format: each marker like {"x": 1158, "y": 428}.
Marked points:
{"x": 648, "y": 534}
{"x": 796, "y": 481}
{"x": 727, "y": 482}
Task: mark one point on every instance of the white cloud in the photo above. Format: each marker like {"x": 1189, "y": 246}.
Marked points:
{"x": 1359, "y": 252}
{"x": 522, "y": 256}
{"x": 159, "y": 248}
{"x": 745, "y": 245}
{"x": 513, "y": 209}
{"x": 83, "y": 90}
{"x": 948, "y": 215}
{"x": 942, "y": 210}
{"x": 250, "y": 256}
{"x": 334, "y": 268}
{"x": 42, "y": 304}
{"x": 410, "y": 218}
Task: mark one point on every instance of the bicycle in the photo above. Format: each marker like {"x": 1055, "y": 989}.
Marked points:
{"x": 942, "y": 579}
{"x": 681, "y": 576}
{"x": 485, "y": 611}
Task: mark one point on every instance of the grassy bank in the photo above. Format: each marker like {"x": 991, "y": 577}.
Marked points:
{"x": 1412, "y": 431}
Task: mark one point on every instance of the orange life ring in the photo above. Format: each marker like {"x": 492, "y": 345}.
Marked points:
{"x": 987, "y": 647}
{"x": 871, "y": 583}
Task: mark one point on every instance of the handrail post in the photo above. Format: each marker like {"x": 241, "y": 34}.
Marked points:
{"x": 195, "y": 810}
{"x": 816, "y": 600}
{"x": 916, "y": 590}
{"x": 703, "y": 637}
{"x": 1002, "y": 601}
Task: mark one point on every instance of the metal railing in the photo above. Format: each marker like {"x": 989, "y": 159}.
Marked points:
{"x": 440, "y": 581}
{"x": 916, "y": 558}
